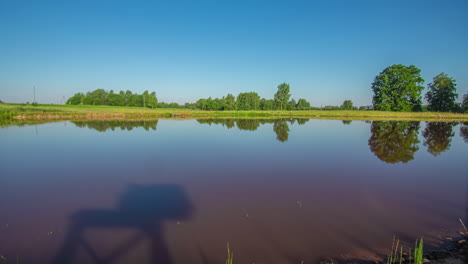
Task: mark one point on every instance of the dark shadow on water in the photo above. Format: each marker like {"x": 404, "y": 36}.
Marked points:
{"x": 142, "y": 208}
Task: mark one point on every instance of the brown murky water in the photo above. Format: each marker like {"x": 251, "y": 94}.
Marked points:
{"x": 279, "y": 191}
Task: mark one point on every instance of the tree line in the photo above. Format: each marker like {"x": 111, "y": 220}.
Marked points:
{"x": 253, "y": 101}
{"x": 103, "y": 97}
{"x": 397, "y": 88}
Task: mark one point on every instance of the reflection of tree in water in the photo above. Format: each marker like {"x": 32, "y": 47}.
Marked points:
{"x": 394, "y": 141}
{"x": 5, "y": 122}
{"x": 229, "y": 123}
{"x": 302, "y": 121}
{"x": 248, "y": 124}
{"x": 281, "y": 129}
{"x": 103, "y": 126}
{"x": 464, "y": 131}
{"x": 347, "y": 122}
{"x": 438, "y": 136}
{"x": 280, "y": 126}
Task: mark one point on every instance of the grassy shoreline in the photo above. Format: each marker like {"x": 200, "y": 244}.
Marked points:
{"x": 54, "y": 112}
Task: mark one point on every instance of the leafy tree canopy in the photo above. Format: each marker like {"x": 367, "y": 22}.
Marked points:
{"x": 302, "y": 104}
{"x": 248, "y": 101}
{"x": 442, "y": 94}
{"x": 291, "y": 105}
{"x": 282, "y": 96}
{"x": 267, "y": 104}
{"x": 347, "y": 105}
{"x": 465, "y": 103}
{"x": 398, "y": 88}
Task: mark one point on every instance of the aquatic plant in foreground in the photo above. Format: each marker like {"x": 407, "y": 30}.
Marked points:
{"x": 396, "y": 253}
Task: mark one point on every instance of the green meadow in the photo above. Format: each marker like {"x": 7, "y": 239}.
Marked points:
{"x": 43, "y": 111}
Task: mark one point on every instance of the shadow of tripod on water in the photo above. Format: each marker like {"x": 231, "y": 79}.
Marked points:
{"x": 142, "y": 208}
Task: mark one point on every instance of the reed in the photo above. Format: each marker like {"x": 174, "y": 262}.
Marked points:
{"x": 463, "y": 224}
{"x": 418, "y": 252}
{"x": 230, "y": 255}
{"x": 396, "y": 255}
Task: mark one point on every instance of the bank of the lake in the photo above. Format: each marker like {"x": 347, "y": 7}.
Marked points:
{"x": 42, "y": 111}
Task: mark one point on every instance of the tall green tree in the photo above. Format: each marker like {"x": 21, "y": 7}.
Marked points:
{"x": 442, "y": 94}
{"x": 302, "y": 104}
{"x": 99, "y": 97}
{"x": 116, "y": 99}
{"x": 465, "y": 103}
{"x": 135, "y": 100}
{"x": 267, "y": 104}
{"x": 201, "y": 104}
{"x": 292, "y": 105}
{"x": 248, "y": 101}
{"x": 76, "y": 99}
{"x": 282, "y": 96}
{"x": 398, "y": 88}
{"x": 229, "y": 102}
{"x": 151, "y": 100}
{"x": 347, "y": 105}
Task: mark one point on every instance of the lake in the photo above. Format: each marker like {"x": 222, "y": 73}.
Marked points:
{"x": 278, "y": 191}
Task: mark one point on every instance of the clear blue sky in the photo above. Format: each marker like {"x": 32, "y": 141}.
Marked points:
{"x": 328, "y": 51}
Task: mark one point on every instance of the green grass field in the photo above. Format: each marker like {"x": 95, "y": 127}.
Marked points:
{"x": 22, "y": 111}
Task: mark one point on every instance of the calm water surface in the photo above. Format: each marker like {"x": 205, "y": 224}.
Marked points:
{"x": 176, "y": 191}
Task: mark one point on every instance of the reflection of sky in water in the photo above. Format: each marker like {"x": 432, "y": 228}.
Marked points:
{"x": 50, "y": 171}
